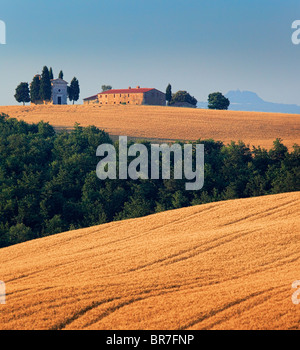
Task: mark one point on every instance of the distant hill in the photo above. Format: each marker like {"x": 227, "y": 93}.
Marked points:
{"x": 250, "y": 101}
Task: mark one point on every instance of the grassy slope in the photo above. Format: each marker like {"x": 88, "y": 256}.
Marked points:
{"x": 221, "y": 265}
{"x": 169, "y": 123}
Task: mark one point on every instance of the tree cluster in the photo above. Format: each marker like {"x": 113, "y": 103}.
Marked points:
{"x": 216, "y": 100}
{"x": 179, "y": 97}
{"x": 40, "y": 88}
{"x": 106, "y": 87}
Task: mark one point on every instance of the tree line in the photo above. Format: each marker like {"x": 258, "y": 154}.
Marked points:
{"x": 48, "y": 181}
{"x": 216, "y": 100}
{"x": 40, "y": 88}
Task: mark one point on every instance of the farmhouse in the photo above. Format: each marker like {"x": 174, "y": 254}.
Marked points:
{"x": 134, "y": 96}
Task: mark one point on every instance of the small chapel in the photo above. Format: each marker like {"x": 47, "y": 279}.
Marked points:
{"x": 59, "y": 91}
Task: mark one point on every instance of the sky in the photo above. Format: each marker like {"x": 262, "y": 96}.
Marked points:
{"x": 200, "y": 46}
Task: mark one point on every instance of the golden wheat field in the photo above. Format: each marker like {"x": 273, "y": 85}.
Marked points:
{"x": 223, "y": 265}
{"x": 169, "y": 123}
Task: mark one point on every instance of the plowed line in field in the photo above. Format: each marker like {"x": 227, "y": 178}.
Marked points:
{"x": 226, "y": 307}
{"x": 267, "y": 212}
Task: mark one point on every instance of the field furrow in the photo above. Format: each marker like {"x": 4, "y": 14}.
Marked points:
{"x": 223, "y": 265}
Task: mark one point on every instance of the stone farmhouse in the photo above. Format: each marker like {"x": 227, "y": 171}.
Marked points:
{"x": 133, "y": 96}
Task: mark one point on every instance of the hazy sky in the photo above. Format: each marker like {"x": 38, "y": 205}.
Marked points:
{"x": 200, "y": 46}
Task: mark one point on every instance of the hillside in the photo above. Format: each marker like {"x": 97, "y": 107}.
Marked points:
{"x": 223, "y": 265}
{"x": 169, "y": 123}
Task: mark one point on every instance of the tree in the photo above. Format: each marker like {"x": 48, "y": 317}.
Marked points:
{"x": 45, "y": 88}
{"x": 74, "y": 90}
{"x": 217, "y": 101}
{"x": 183, "y": 96}
{"x": 61, "y": 75}
{"x": 54, "y": 225}
{"x": 169, "y": 93}
{"x": 22, "y": 93}
{"x": 51, "y": 73}
{"x": 19, "y": 233}
{"x": 35, "y": 89}
{"x": 106, "y": 87}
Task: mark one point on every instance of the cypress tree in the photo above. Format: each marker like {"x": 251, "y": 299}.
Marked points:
{"x": 74, "y": 90}
{"x": 61, "y": 75}
{"x": 35, "y": 89}
{"x": 169, "y": 93}
{"x": 45, "y": 89}
{"x": 51, "y": 73}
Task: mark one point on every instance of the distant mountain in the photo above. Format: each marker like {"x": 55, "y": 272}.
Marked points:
{"x": 250, "y": 101}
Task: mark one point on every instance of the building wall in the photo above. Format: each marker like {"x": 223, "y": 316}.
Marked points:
{"x": 182, "y": 104}
{"x": 91, "y": 100}
{"x": 59, "y": 90}
{"x": 154, "y": 97}
{"x": 111, "y": 99}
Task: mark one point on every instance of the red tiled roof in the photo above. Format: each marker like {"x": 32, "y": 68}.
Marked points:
{"x": 59, "y": 80}
{"x": 126, "y": 91}
{"x": 91, "y": 97}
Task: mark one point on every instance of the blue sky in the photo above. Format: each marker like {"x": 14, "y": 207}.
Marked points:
{"x": 200, "y": 46}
